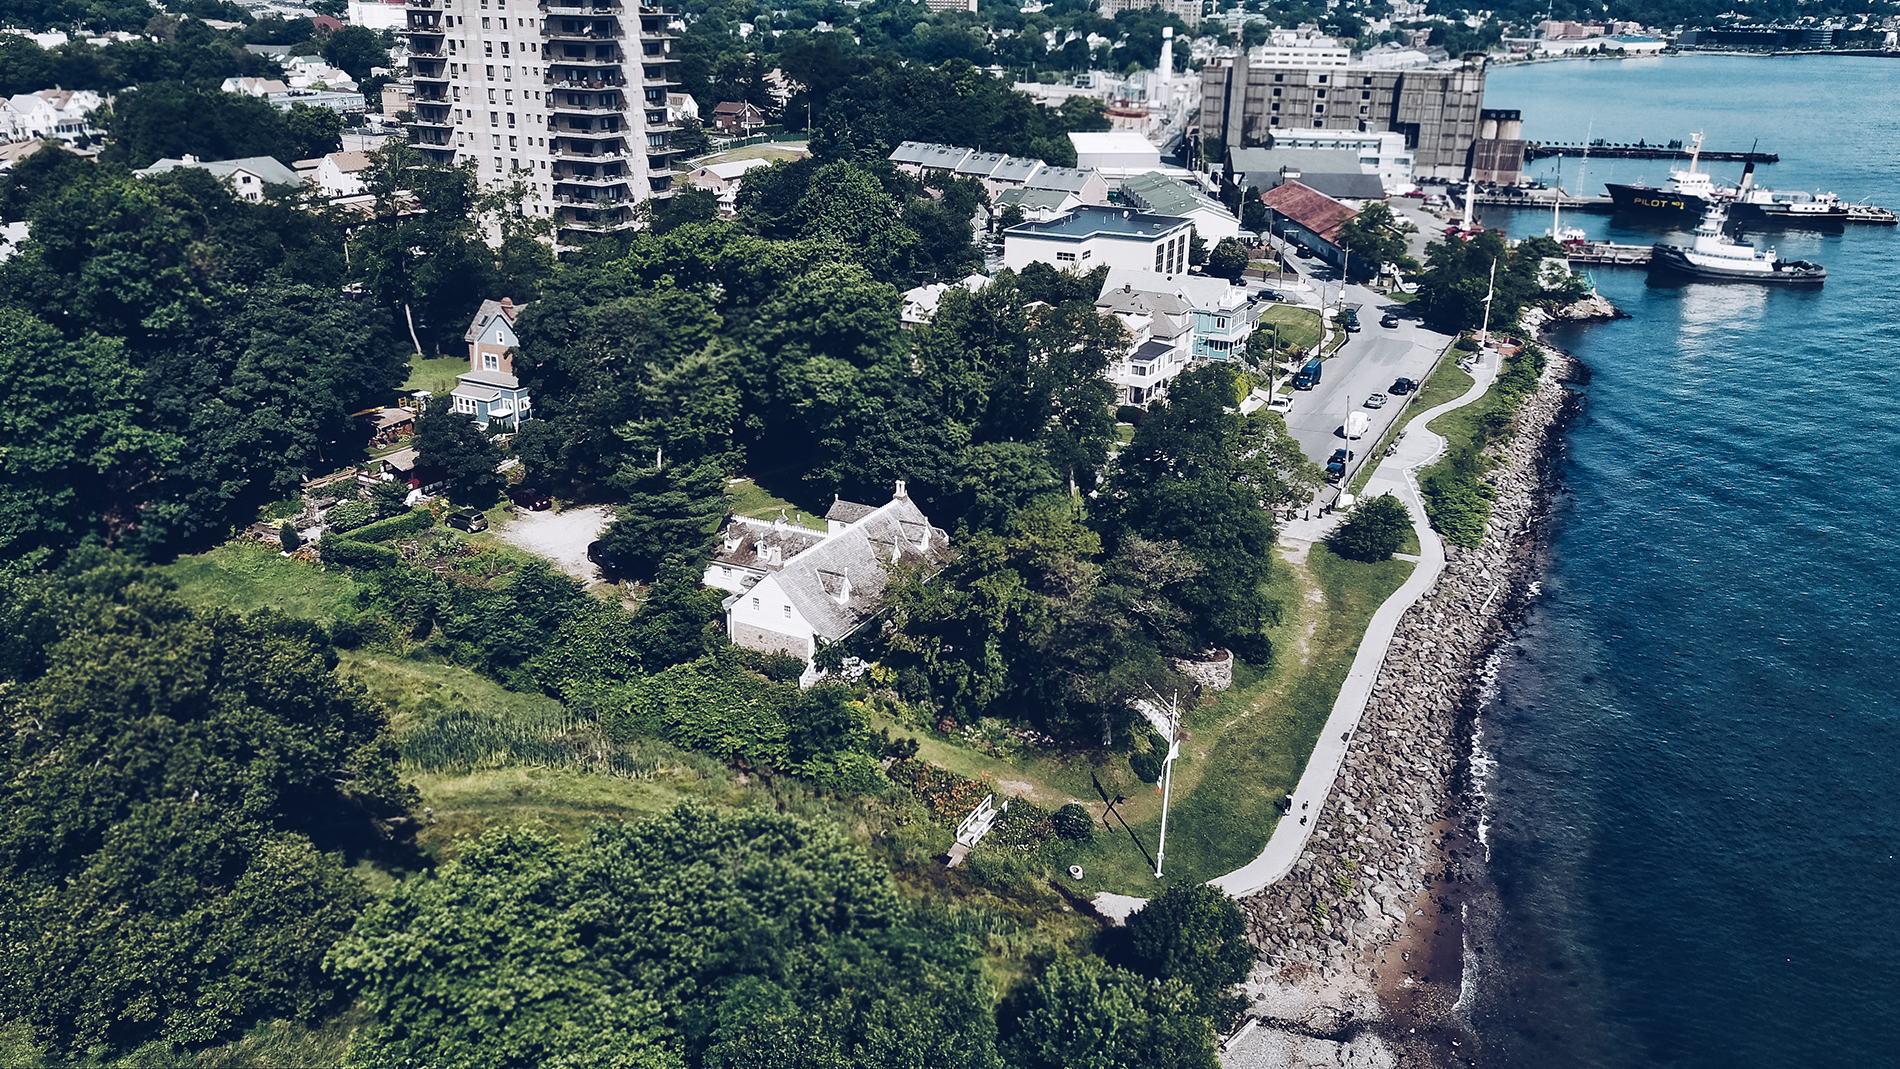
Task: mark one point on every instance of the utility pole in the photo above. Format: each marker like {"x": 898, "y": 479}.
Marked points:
{"x": 1167, "y": 776}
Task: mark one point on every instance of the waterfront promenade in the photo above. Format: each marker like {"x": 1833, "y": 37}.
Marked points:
{"x": 1395, "y": 475}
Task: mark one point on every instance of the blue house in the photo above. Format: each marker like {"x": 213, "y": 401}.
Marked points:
{"x": 488, "y": 390}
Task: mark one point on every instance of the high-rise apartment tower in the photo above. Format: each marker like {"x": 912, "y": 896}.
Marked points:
{"x": 567, "y": 95}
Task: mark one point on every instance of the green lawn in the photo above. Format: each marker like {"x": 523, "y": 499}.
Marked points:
{"x": 754, "y": 501}
{"x": 773, "y": 152}
{"x": 247, "y": 576}
{"x": 1298, "y": 326}
{"x": 434, "y": 374}
{"x": 1246, "y": 751}
{"x": 268, "y": 1045}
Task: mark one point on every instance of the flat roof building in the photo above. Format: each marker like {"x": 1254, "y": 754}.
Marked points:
{"x": 1089, "y": 237}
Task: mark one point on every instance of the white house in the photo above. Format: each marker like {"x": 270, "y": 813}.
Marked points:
{"x": 1090, "y": 236}
{"x": 1221, "y": 316}
{"x": 723, "y": 180}
{"x": 920, "y": 304}
{"x": 824, "y": 591}
{"x": 488, "y": 390}
{"x": 246, "y": 177}
{"x": 1161, "y": 339}
{"x": 49, "y": 113}
{"x": 1038, "y": 205}
{"x": 340, "y": 174}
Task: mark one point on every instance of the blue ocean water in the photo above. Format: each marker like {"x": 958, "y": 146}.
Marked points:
{"x": 1695, "y": 795}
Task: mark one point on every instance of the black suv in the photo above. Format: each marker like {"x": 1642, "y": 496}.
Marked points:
{"x": 1402, "y": 386}
{"x": 1336, "y": 466}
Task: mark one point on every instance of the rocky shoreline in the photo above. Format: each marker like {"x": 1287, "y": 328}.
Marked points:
{"x": 1362, "y": 945}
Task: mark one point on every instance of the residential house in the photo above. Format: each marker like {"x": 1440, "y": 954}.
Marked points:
{"x": 1160, "y": 327}
{"x": 49, "y": 113}
{"x": 1157, "y": 194}
{"x": 340, "y": 174}
{"x": 1309, "y": 218}
{"x": 385, "y": 425}
{"x": 1090, "y": 236}
{"x": 723, "y": 179}
{"x": 680, "y": 107}
{"x": 488, "y": 390}
{"x": 999, "y": 173}
{"x": 737, "y": 117}
{"x": 1087, "y": 185}
{"x": 246, "y": 177}
{"x": 827, "y": 590}
{"x": 255, "y": 87}
{"x": 1038, "y": 205}
{"x": 920, "y": 304}
{"x": 915, "y": 157}
{"x": 1220, "y": 313}
{"x": 403, "y": 467}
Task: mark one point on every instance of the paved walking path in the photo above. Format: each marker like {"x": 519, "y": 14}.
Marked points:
{"x": 1395, "y": 475}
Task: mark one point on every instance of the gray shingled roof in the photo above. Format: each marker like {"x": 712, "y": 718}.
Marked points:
{"x": 853, "y": 561}
{"x": 488, "y": 311}
{"x": 848, "y": 511}
{"x": 1068, "y": 179}
{"x": 928, "y": 154}
{"x": 1015, "y": 169}
{"x": 756, "y": 539}
{"x": 981, "y": 164}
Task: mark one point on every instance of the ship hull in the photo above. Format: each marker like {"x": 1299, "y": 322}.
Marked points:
{"x": 1661, "y": 203}
{"x": 1779, "y": 215}
{"x": 1672, "y": 260}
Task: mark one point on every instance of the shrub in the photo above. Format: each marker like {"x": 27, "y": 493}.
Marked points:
{"x": 1467, "y": 343}
{"x": 1374, "y": 531}
{"x": 1130, "y": 415}
{"x": 349, "y": 554}
{"x": 396, "y": 526}
{"x": 1074, "y": 823}
{"x": 782, "y": 667}
{"x": 348, "y": 516}
{"x": 287, "y": 534}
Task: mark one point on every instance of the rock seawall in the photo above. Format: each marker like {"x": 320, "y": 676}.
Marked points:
{"x": 1361, "y": 945}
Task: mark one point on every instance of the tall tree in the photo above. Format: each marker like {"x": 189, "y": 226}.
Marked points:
{"x": 450, "y": 440}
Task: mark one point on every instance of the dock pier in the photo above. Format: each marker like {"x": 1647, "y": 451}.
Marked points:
{"x": 1609, "y": 254}
{"x": 1535, "y": 151}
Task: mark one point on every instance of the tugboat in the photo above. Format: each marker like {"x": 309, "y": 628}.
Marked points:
{"x": 1690, "y": 193}
{"x": 1687, "y": 192}
{"x": 1714, "y": 258}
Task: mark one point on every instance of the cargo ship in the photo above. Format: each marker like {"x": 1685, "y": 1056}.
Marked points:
{"x": 1689, "y": 193}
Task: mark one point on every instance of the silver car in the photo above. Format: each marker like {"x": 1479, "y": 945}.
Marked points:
{"x": 1376, "y": 400}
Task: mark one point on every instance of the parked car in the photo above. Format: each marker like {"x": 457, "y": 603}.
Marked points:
{"x": 1403, "y": 385}
{"x": 1357, "y": 424}
{"x": 529, "y": 498}
{"x": 1281, "y": 403}
{"x": 467, "y": 520}
{"x": 598, "y": 552}
{"x": 1389, "y": 321}
{"x": 1376, "y": 400}
{"x": 1353, "y": 327}
{"x": 1269, "y": 295}
{"x": 1336, "y": 464}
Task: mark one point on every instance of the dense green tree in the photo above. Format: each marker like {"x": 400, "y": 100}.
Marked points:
{"x": 696, "y": 937}
{"x": 1227, "y": 259}
{"x": 1084, "y": 1015}
{"x": 450, "y": 440}
{"x": 311, "y": 132}
{"x": 430, "y": 265}
{"x": 171, "y": 798}
{"x": 355, "y": 49}
{"x": 1373, "y": 238}
{"x": 670, "y": 514}
{"x": 846, "y": 205}
{"x": 170, "y": 119}
{"x": 1195, "y": 934}
{"x": 80, "y": 446}
{"x": 1373, "y": 531}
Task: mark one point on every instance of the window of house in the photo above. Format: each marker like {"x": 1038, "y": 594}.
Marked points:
{"x": 788, "y": 612}
{"x": 485, "y": 22}
{"x": 1276, "y": 91}
{"x": 511, "y": 142}
{"x": 507, "y": 95}
{"x": 1275, "y": 121}
{"x": 491, "y": 96}
{"x": 1322, "y": 79}
{"x": 491, "y": 74}
{"x": 1363, "y": 109}
{"x": 1365, "y": 94}
{"x": 1065, "y": 256}
{"x": 1319, "y": 109}
{"x": 504, "y": 48}
{"x": 1319, "y": 93}
{"x": 488, "y": 49}
{"x": 491, "y": 362}
{"x": 1276, "y": 106}
{"x": 1220, "y": 322}
{"x": 451, "y": 47}
{"x": 494, "y": 118}
{"x": 497, "y": 138}
{"x": 755, "y": 604}
{"x": 1279, "y": 77}
{"x": 511, "y": 119}
{"x": 1319, "y": 123}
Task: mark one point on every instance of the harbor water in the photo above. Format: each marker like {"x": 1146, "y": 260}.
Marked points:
{"x": 1693, "y": 774}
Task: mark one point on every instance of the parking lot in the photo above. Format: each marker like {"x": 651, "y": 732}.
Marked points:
{"x": 561, "y": 537}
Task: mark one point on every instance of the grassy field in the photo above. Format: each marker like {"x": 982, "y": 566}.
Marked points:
{"x": 269, "y": 1045}
{"x": 770, "y": 152}
{"x": 434, "y": 374}
{"x": 248, "y": 576}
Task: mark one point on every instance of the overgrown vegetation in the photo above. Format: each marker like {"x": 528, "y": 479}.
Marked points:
{"x": 1457, "y": 496}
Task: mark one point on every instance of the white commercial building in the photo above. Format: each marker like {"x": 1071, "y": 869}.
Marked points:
{"x": 1380, "y": 152}
{"x": 1115, "y": 150}
{"x": 1092, "y": 236}
{"x": 570, "y": 98}
{"x": 377, "y": 14}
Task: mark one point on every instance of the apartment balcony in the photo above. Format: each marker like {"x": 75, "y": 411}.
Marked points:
{"x": 432, "y": 95}
{"x": 584, "y": 74}
{"x": 583, "y": 179}
{"x": 609, "y": 102}
{"x": 580, "y": 8}
{"x": 427, "y": 5}
{"x": 596, "y": 220}
{"x": 581, "y": 30}
{"x": 567, "y": 152}
{"x": 429, "y": 72}
{"x": 429, "y": 52}
{"x": 430, "y": 25}
{"x": 434, "y": 115}
{"x": 587, "y": 200}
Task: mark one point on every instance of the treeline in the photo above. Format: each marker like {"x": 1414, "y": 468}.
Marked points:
{"x": 195, "y": 55}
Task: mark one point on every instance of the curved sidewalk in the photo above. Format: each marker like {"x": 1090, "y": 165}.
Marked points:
{"x": 1394, "y": 475}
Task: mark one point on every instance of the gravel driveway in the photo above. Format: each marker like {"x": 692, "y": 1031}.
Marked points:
{"x": 561, "y": 537}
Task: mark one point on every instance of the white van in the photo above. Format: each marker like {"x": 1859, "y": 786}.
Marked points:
{"x": 1357, "y": 424}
